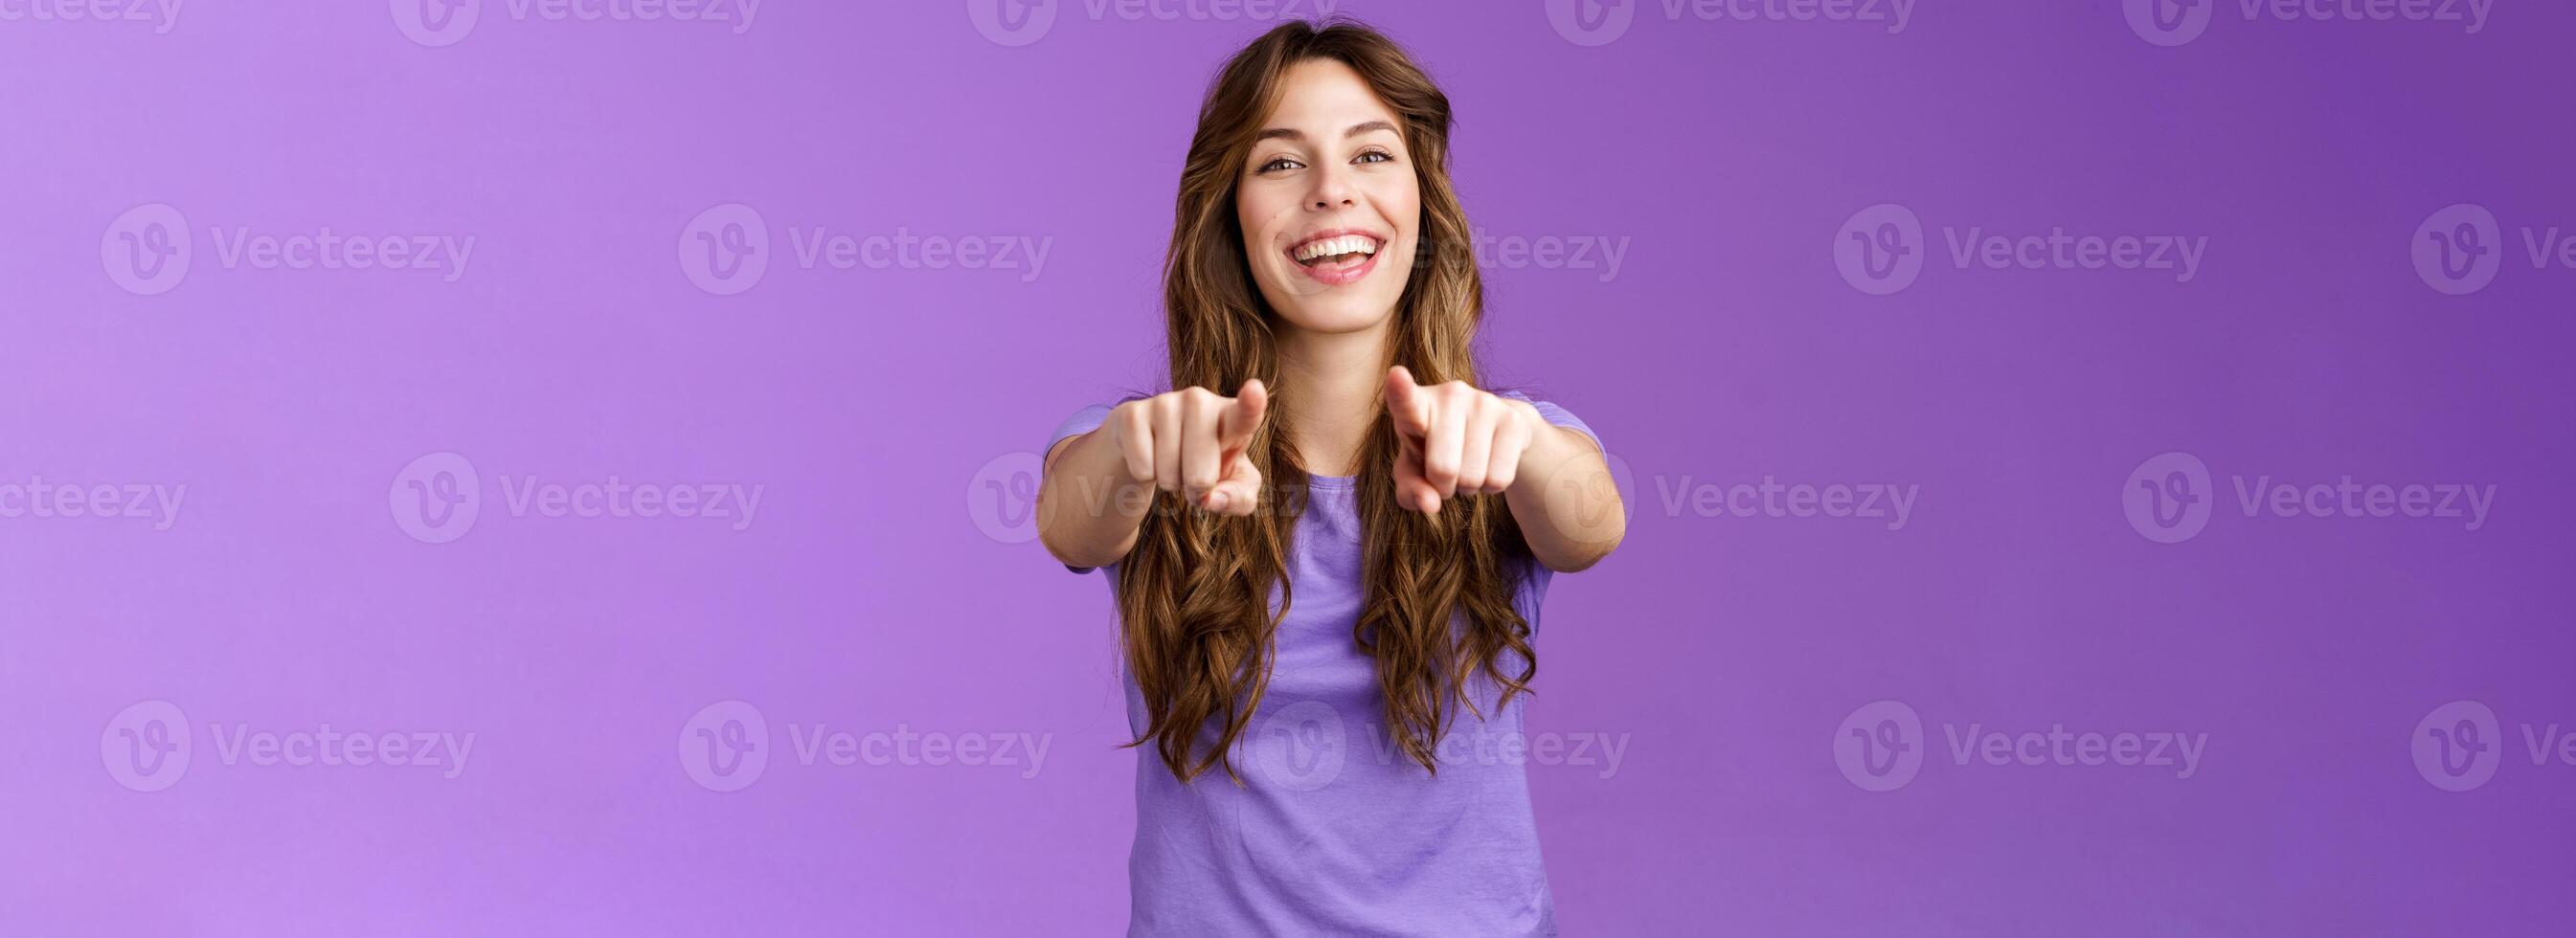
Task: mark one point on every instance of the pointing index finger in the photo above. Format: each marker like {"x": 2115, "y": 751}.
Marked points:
{"x": 1404, "y": 402}
{"x": 1250, "y": 403}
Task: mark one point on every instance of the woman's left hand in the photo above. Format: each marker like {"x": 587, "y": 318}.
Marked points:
{"x": 1455, "y": 439}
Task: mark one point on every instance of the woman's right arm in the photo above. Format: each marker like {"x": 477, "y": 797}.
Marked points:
{"x": 1098, "y": 485}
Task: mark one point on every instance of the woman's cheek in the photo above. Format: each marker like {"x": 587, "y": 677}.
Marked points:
{"x": 1263, "y": 228}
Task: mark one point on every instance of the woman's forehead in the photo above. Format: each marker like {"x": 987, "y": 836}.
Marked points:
{"x": 1324, "y": 96}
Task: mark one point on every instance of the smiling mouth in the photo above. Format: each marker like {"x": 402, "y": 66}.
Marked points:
{"x": 1335, "y": 252}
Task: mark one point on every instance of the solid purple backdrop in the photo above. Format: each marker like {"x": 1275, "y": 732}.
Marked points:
{"x": 881, "y": 588}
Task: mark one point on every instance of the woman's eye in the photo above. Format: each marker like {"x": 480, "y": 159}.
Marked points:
{"x": 1279, "y": 163}
{"x": 1373, "y": 156}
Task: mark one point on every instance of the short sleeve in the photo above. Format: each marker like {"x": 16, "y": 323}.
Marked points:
{"x": 1083, "y": 421}
{"x": 1559, "y": 417}
{"x": 1533, "y": 590}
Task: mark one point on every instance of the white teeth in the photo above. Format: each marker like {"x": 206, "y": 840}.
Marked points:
{"x": 1327, "y": 247}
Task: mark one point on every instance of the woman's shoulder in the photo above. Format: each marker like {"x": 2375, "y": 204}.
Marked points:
{"x": 1085, "y": 420}
{"x": 1555, "y": 415}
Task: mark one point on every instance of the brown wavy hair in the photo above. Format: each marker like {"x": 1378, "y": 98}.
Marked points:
{"x": 1193, "y": 592}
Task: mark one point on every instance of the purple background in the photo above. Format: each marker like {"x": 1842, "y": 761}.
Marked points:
{"x": 871, "y": 405}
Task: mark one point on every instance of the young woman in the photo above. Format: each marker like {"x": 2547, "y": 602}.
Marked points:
{"x": 1328, "y": 546}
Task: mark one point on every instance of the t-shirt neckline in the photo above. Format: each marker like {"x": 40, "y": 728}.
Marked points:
{"x": 1332, "y": 482}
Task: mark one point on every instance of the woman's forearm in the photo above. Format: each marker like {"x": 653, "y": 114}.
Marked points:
{"x": 1089, "y": 506}
{"x": 1565, "y": 500}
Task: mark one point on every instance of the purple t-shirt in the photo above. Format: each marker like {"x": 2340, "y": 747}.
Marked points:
{"x": 1335, "y": 830}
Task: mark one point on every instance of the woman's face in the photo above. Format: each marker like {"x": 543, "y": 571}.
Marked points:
{"x": 1329, "y": 203}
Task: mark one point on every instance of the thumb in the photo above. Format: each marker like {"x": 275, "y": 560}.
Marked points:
{"x": 1239, "y": 493}
{"x": 1412, "y": 491}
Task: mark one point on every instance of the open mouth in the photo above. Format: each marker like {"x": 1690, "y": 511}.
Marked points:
{"x": 1337, "y": 257}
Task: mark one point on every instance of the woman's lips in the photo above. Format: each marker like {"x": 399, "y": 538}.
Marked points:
{"x": 1337, "y": 256}
{"x": 1334, "y": 275}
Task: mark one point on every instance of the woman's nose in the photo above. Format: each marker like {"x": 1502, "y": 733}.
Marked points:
{"x": 1331, "y": 191}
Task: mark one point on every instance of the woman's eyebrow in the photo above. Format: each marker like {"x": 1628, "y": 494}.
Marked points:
{"x": 1287, "y": 133}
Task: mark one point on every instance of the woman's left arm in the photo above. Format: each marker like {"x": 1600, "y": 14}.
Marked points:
{"x": 1458, "y": 438}
{"x": 1564, "y": 498}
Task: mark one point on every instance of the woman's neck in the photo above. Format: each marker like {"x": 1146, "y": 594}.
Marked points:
{"x": 1331, "y": 384}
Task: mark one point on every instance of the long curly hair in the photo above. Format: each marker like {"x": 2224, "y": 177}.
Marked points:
{"x": 1194, "y": 591}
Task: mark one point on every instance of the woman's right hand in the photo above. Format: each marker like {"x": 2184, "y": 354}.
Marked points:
{"x": 1193, "y": 441}
{"x": 1098, "y": 486}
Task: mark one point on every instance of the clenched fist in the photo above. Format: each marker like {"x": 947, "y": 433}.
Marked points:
{"x": 1192, "y": 441}
{"x": 1454, "y": 439}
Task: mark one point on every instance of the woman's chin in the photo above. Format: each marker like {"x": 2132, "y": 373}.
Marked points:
{"x": 1350, "y": 307}
{"x": 1337, "y": 315}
